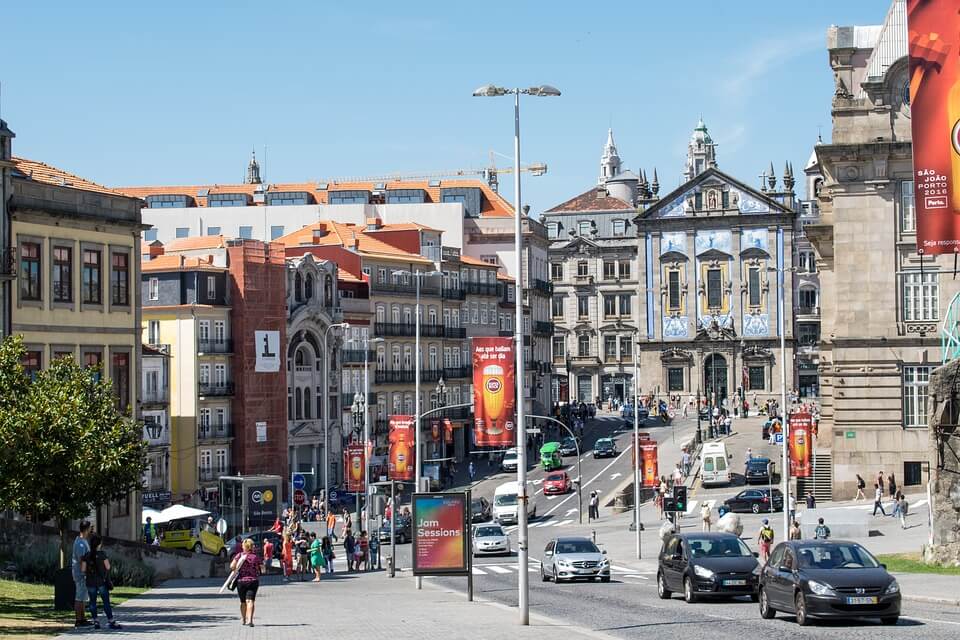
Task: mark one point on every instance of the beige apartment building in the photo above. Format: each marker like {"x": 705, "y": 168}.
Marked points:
{"x": 881, "y": 303}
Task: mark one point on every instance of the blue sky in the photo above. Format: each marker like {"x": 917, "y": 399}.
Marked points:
{"x": 131, "y": 93}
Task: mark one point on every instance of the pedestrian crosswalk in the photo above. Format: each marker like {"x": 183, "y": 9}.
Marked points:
{"x": 692, "y": 505}
{"x": 534, "y": 567}
{"x": 541, "y": 524}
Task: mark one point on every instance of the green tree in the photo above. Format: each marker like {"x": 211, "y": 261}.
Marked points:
{"x": 64, "y": 445}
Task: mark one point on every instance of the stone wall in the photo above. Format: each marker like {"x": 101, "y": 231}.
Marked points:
{"x": 167, "y": 563}
{"x": 945, "y": 465}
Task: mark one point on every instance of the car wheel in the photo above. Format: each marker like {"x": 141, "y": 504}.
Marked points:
{"x": 605, "y": 579}
{"x": 754, "y": 597}
{"x": 766, "y": 611}
{"x": 198, "y": 548}
{"x": 801, "y": 610}
{"x": 543, "y": 575}
{"x": 755, "y": 508}
{"x": 556, "y": 578}
{"x": 892, "y": 620}
{"x": 662, "y": 590}
{"x": 689, "y": 595}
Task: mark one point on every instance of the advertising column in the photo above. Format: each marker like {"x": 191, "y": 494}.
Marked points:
{"x": 353, "y": 458}
{"x": 934, "y": 48}
{"x": 400, "y": 464}
{"x": 441, "y": 535}
{"x": 801, "y": 427}
{"x": 494, "y": 392}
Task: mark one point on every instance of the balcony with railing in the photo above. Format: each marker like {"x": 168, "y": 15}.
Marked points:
{"x": 453, "y": 373}
{"x": 207, "y": 432}
{"x": 393, "y": 376}
{"x": 455, "y": 333}
{"x": 479, "y": 288}
{"x": 543, "y": 328}
{"x": 205, "y": 347}
{"x": 357, "y": 356}
{"x": 405, "y": 289}
{"x": 809, "y": 313}
{"x": 213, "y": 389}
{"x": 453, "y": 294}
{"x": 543, "y": 286}
{"x": 155, "y": 396}
{"x": 407, "y": 330}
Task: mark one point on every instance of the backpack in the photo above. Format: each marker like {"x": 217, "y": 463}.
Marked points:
{"x": 766, "y": 534}
{"x": 822, "y": 531}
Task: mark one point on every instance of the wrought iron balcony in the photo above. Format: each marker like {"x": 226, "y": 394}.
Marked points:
{"x": 479, "y": 288}
{"x": 393, "y": 376}
{"x": 214, "y": 431}
{"x": 405, "y": 330}
{"x": 453, "y": 294}
{"x": 459, "y": 333}
{"x": 155, "y": 396}
{"x": 214, "y": 346}
{"x": 452, "y": 373}
{"x": 213, "y": 390}
{"x": 357, "y": 356}
{"x": 543, "y": 286}
{"x": 399, "y": 288}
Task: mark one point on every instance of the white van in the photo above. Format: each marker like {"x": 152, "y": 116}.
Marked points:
{"x": 714, "y": 464}
{"x": 505, "y": 504}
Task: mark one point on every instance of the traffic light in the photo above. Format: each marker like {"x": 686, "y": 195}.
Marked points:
{"x": 669, "y": 504}
{"x": 680, "y": 498}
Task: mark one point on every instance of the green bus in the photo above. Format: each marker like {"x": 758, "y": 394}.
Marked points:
{"x": 550, "y": 457}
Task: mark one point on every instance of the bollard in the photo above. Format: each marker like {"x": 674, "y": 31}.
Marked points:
{"x": 390, "y": 567}
{"x": 593, "y": 536}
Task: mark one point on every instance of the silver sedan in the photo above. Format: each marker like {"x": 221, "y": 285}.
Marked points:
{"x": 490, "y": 539}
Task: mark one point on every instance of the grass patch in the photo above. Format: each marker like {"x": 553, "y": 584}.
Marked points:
{"x": 26, "y": 609}
{"x": 911, "y": 563}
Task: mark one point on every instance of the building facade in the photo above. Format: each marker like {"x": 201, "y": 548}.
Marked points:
{"x": 8, "y": 268}
{"x": 881, "y": 301}
{"x": 155, "y": 404}
{"x": 77, "y": 244}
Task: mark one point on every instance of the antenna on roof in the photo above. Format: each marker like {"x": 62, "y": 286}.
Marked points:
{"x": 265, "y": 165}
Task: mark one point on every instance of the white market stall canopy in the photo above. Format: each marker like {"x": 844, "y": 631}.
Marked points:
{"x": 175, "y": 512}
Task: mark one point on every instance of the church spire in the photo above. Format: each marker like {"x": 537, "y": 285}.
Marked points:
{"x": 701, "y": 151}
{"x": 253, "y": 170}
{"x": 610, "y": 160}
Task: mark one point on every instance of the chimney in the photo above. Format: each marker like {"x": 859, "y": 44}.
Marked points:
{"x": 374, "y": 224}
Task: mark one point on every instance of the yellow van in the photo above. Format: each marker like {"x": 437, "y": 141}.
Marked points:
{"x": 192, "y": 534}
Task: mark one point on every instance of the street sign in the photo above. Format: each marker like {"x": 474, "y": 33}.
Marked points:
{"x": 299, "y": 481}
{"x": 851, "y": 435}
{"x": 533, "y": 431}
{"x": 299, "y": 497}
{"x": 779, "y": 437}
{"x": 333, "y": 495}
{"x": 221, "y": 526}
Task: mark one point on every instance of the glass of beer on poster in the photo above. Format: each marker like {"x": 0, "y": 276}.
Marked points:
{"x": 493, "y": 390}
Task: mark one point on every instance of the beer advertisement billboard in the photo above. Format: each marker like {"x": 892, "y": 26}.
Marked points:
{"x": 441, "y": 535}
{"x": 648, "y": 464}
{"x": 934, "y": 93}
{"x": 494, "y": 392}
{"x": 353, "y": 458}
{"x": 401, "y": 463}
{"x": 801, "y": 430}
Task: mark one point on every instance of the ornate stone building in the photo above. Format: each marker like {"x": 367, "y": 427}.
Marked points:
{"x": 881, "y": 303}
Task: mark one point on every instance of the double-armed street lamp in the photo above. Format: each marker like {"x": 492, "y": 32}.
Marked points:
{"x": 493, "y": 91}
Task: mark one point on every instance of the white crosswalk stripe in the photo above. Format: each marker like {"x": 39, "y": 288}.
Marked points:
{"x": 497, "y": 569}
{"x": 563, "y": 523}
{"x": 478, "y": 572}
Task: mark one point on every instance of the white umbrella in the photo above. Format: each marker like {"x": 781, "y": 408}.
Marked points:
{"x": 180, "y": 512}
{"x": 153, "y": 514}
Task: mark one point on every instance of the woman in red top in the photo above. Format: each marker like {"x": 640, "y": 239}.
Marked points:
{"x": 247, "y": 565}
{"x": 287, "y": 558}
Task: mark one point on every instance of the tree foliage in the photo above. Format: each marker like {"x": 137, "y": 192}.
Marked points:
{"x": 64, "y": 445}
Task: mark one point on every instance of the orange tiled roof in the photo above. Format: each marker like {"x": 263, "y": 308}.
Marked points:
{"x": 42, "y": 172}
{"x": 403, "y": 226}
{"x": 493, "y": 205}
{"x": 477, "y": 262}
{"x": 197, "y": 242}
{"x": 505, "y": 277}
{"x": 341, "y": 234}
{"x": 176, "y": 262}
{"x": 592, "y": 200}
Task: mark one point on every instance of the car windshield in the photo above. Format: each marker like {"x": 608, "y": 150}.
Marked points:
{"x": 505, "y": 499}
{"x": 555, "y": 477}
{"x": 604, "y": 444}
{"x": 718, "y": 548}
{"x": 569, "y": 442}
{"x": 835, "y": 556}
{"x": 510, "y": 455}
{"x": 577, "y": 546}
{"x": 483, "y": 532}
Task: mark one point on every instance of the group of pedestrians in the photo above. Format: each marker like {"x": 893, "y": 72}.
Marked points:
{"x": 90, "y": 569}
{"x": 899, "y": 505}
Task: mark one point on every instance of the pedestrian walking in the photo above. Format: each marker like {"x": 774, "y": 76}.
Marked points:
{"x": 80, "y": 549}
{"x": 677, "y": 475}
{"x": 880, "y": 480}
{"x": 247, "y": 565}
{"x": 331, "y": 525}
{"x": 149, "y": 531}
{"x": 267, "y": 554}
{"x": 347, "y": 523}
{"x": 792, "y": 507}
{"x": 97, "y": 571}
{"x": 326, "y": 547}
{"x": 363, "y": 552}
{"x": 903, "y": 506}
{"x": 685, "y": 460}
{"x": 892, "y": 484}
{"x": 811, "y": 500}
{"x": 286, "y": 558}
{"x": 765, "y": 540}
{"x": 594, "y": 507}
{"x": 861, "y": 485}
{"x": 349, "y": 549}
{"x": 705, "y": 517}
{"x": 795, "y": 532}
{"x": 472, "y": 470}
{"x": 317, "y": 561}
{"x": 878, "y": 499}
{"x": 822, "y": 532}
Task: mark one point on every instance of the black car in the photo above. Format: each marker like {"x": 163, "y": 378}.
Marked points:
{"x": 604, "y": 448}
{"x": 568, "y": 446}
{"x": 827, "y": 578}
{"x": 754, "y": 501}
{"x": 706, "y": 565}
{"x": 758, "y": 471}
{"x": 480, "y": 510}
{"x": 404, "y": 531}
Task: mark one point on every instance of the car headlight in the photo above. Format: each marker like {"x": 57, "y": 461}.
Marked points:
{"x": 893, "y": 587}
{"x": 756, "y": 570}
{"x": 703, "y": 572}
{"x": 820, "y": 588}
{"x": 604, "y": 563}
{"x": 563, "y": 563}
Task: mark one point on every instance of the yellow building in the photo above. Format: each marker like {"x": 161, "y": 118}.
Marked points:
{"x": 75, "y": 292}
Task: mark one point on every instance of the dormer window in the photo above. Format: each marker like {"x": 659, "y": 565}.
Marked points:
{"x": 228, "y": 200}
{"x": 279, "y": 198}
{"x": 171, "y": 201}
{"x": 619, "y": 227}
{"x": 553, "y": 229}
{"x": 584, "y": 227}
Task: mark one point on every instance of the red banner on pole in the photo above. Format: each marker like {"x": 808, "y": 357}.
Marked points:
{"x": 934, "y": 48}
{"x": 402, "y": 460}
{"x": 353, "y": 458}
{"x": 494, "y": 392}
{"x": 801, "y": 429}
{"x": 649, "y": 464}
{"x": 447, "y": 431}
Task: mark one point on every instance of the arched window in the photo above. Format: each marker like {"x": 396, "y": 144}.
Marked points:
{"x": 298, "y": 359}
{"x": 328, "y": 292}
{"x": 306, "y": 404}
{"x": 298, "y": 288}
{"x": 308, "y": 287}
{"x": 298, "y": 404}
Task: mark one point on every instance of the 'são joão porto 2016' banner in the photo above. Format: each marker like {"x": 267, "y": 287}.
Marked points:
{"x": 801, "y": 432}
{"x": 354, "y": 457}
{"x": 441, "y": 535}
{"x": 402, "y": 459}
{"x": 494, "y": 392}
{"x": 934, "y": 48}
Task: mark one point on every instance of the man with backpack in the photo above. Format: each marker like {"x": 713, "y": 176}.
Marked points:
{"x": 822, "y": 532}
{"x": 765, "y": 539}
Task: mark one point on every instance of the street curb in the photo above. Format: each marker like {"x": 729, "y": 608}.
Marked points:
{"x": 932, "y": 600}
{"x": 546, "y": 621}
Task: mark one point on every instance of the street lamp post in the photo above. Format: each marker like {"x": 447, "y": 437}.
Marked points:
{"x": 357, "y": 411}
{"x": 326, "y": 415}
{"x": 784, "y": 421}
{"x": 636, "y": 445}
{"x": 366, "y": 420}
{"x": 522, "y": 551}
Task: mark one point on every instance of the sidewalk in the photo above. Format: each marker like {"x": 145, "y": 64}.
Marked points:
{"x": 345, "y": 606}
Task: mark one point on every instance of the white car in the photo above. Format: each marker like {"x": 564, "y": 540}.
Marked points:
{"x": 509, "y": 462}
{"x": 490, "y": 539}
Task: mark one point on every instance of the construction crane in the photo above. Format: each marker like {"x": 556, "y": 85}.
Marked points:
{"x": 489, "y": 174}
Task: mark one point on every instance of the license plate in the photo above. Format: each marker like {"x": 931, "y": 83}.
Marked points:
{"x": 734, "y": 583}
{"x": 586, "y": 571}
{"x": 862, "y": 600}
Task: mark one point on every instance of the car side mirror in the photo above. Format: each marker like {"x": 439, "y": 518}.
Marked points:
{"x": 883, "y": 565}
{"x": 756, "y": 554}
{"x": 548, "y": 553}
{"x": 604, "y": 552}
